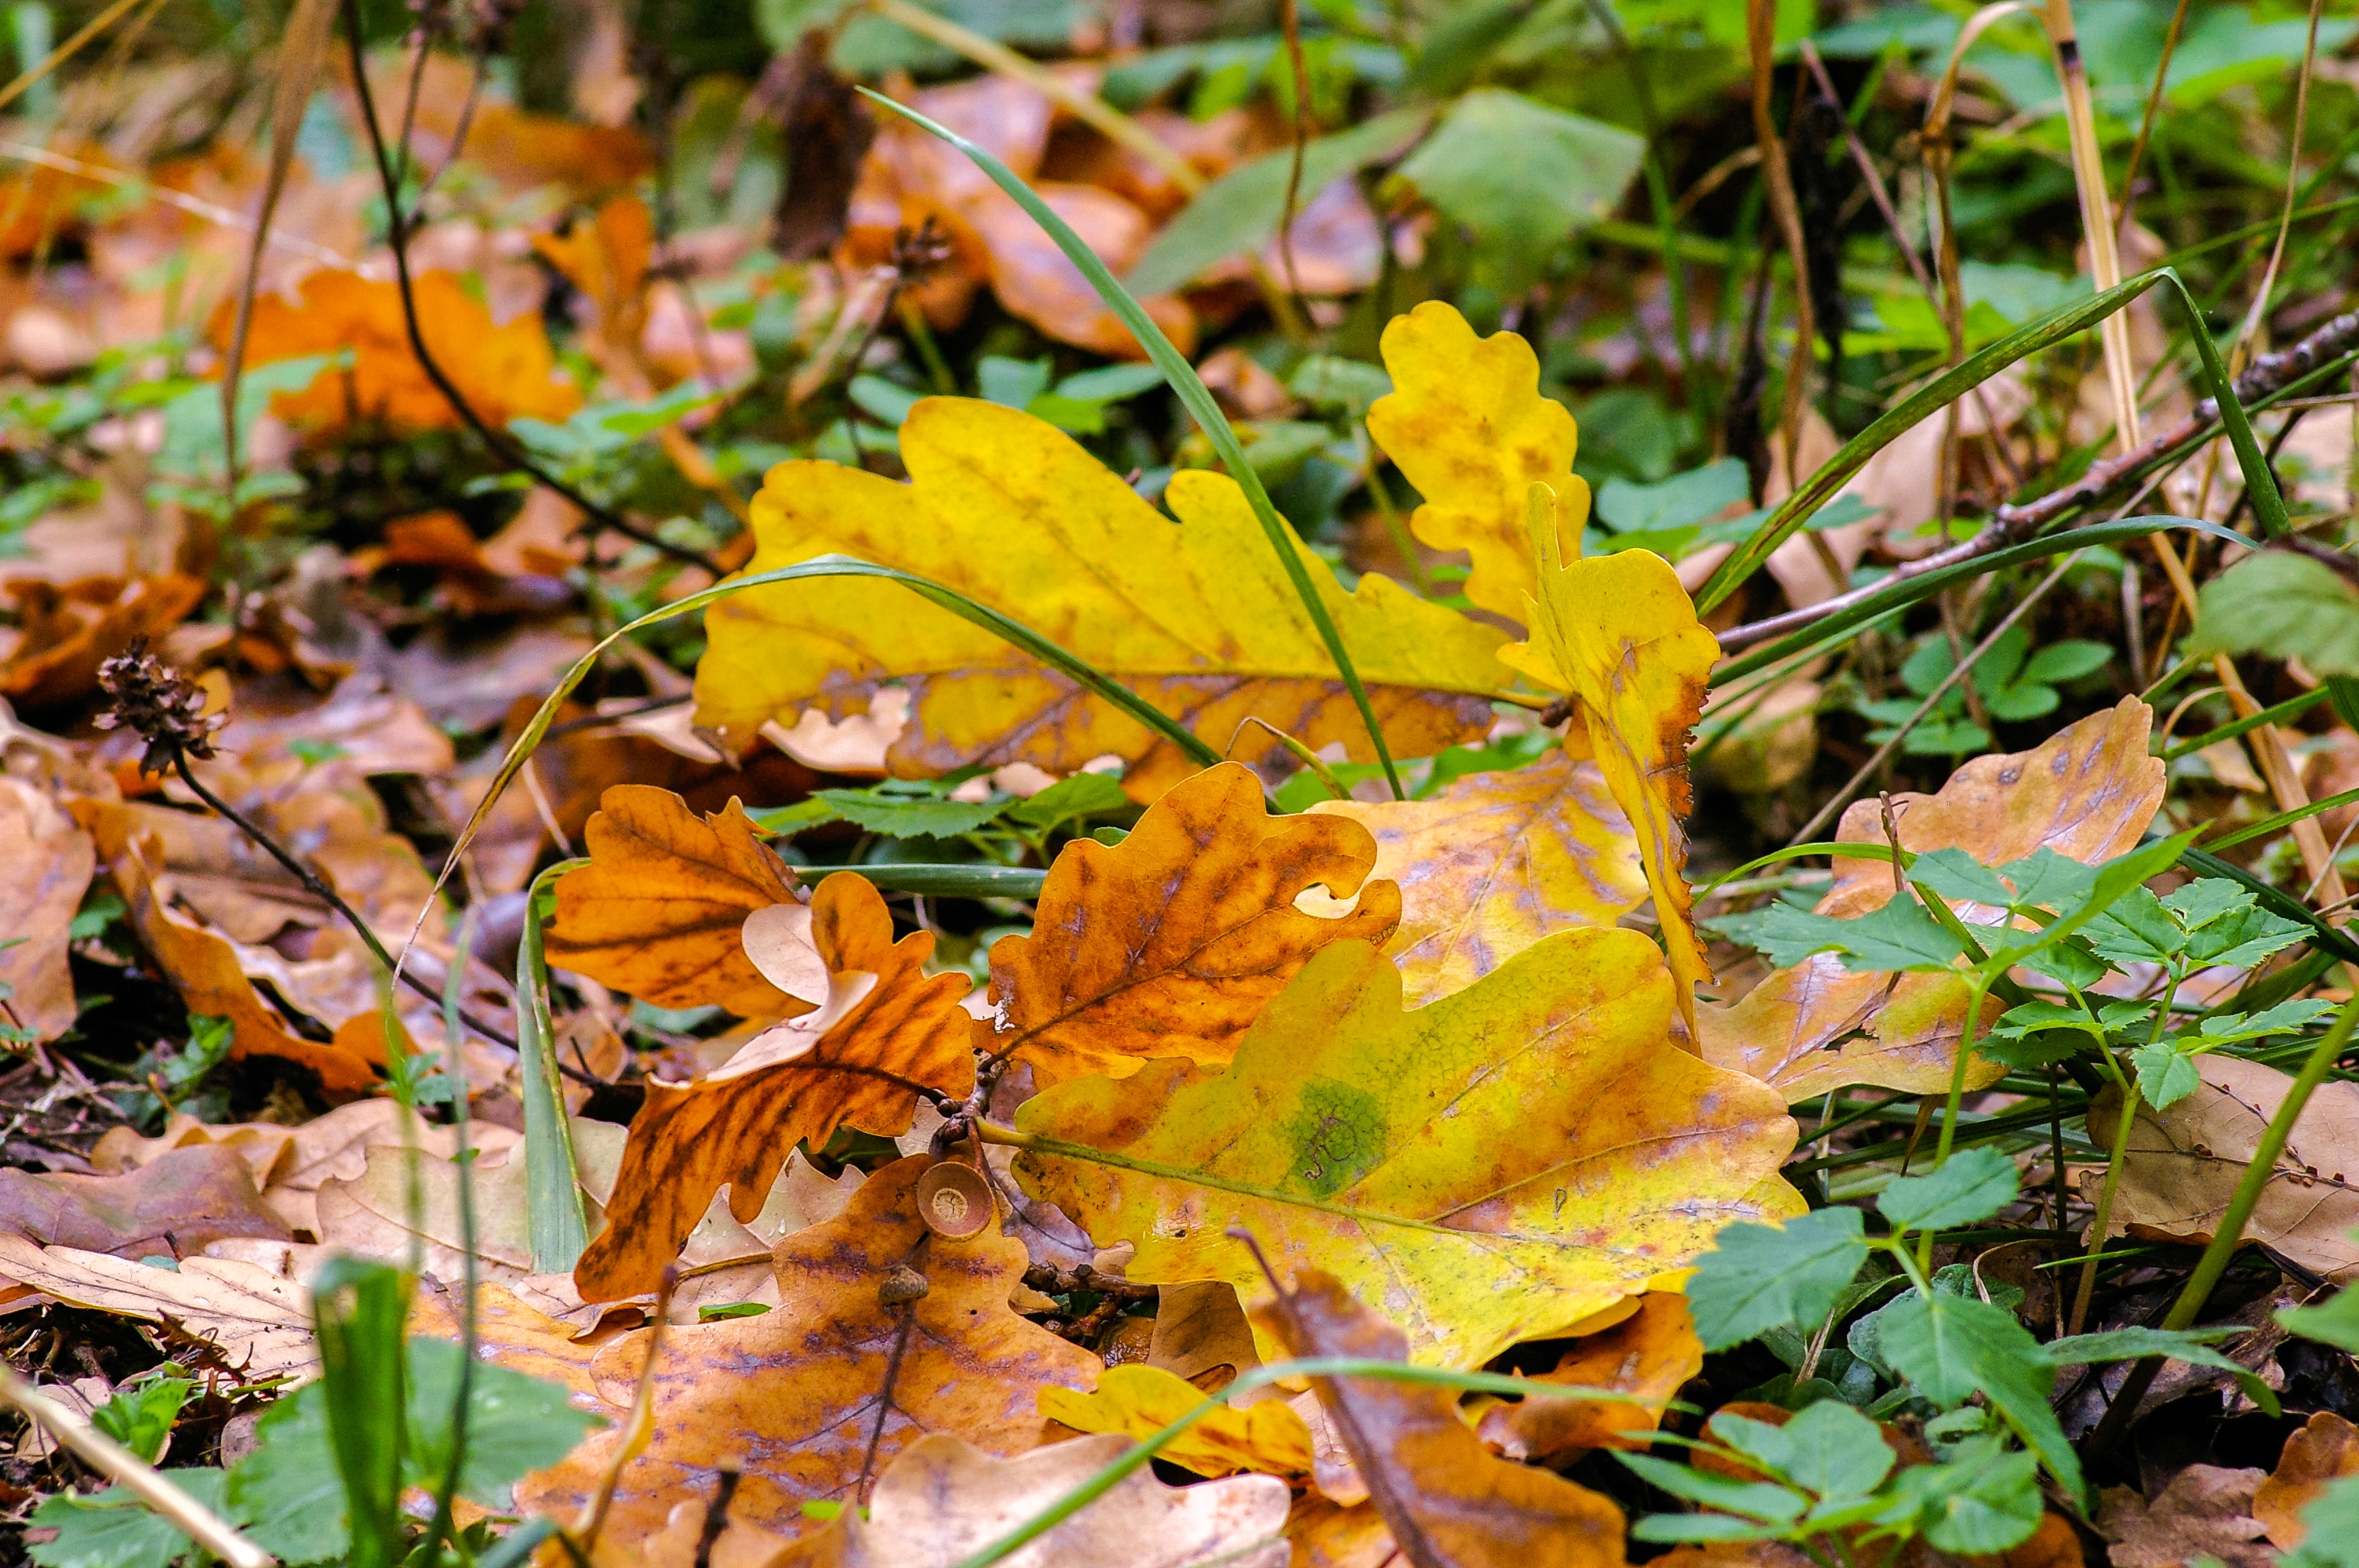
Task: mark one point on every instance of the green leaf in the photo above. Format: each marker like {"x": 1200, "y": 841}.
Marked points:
{"x": 1761, "y": 1277}
{"x": 1755, "y": 1499}
{"x": 2179, "y": 1345}
{"x": 115, "y": 1529}
{"x": 2066, "y": 661}
{"x": 1240, "y": 212}
{"x": 1068, "y": 800}
{"x": 358, "y": 1311}
{"x": 1830, "y": 1450}
{"x": 140, "y": 1416}
{"x": 1110, "y": 384}
{"x": 2284, "y": 605}
{"x": 2335, "y": 1324}
{"x": 1899, "y": 936}
{"x": 1954, "y": 1347}
{"x": 289, "y": 1489}
{"x": 2165, "y": 1075}
{"x": 2332, "y": 1523}
{"x": 901, "y": 815}
{"x": 1981, "y": 1501}
{"x": 2046, "y": 880}
{"x": 1520, "y": 175}
{"x": 515, "y": 1424}
{"x": 1975, "y": 1185}
{"x": 1683, "y": 501}
{"x": 1953, "y": 873}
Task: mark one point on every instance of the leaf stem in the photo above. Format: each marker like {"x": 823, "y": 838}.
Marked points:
{"x": 2115, "y": 1158}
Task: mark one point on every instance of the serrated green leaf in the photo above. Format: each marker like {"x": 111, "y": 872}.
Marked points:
{"x": 1975, "y": 1184}
{"x": 1954, "y": 1347}
{"x": 1762, "y": 1276}
{"x": 2285, "y": 605}
{"x": 115, "y": 1529}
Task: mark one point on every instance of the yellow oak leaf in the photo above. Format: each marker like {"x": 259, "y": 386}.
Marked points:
{"x": 1496, "y": 862}
{"x": 887, "y": 1027}
{"x": 1621, "y": 635}
{"x": 659, "y": 913}
{"x": 1467, "y": 423}
{"x": 800, "y": 1397}
{"x": 1900, "y": 1034}
{"x": 1496, "y": 1166}
{"x": 1139, "y": 1400}
{"x": 1444, "y": 1497}
{"x": 1199, "y": 620}
{"x": 1172, "y": 941}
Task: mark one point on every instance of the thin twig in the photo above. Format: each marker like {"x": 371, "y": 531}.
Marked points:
{"x": 328, "y": 895}
{"x": 507, "y": 451}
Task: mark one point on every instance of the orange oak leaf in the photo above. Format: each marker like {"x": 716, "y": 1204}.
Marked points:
{"x": 1446, "y": 1499}
{"x": 1818, "y": 1026}
{"x": 46, "y": 861}
{"x": 660, "y": 912}
{"x": 2087, "y": 792}
{"x": 887, "y": 1027}
{"x": 503, "y": 370}
{"x": 1169, "y": 943}
{"x": 204, "y": 967}
{"x": 800, "y": 1397}
{"x": 2321, "y": 1454}
{"x": 68, "y": 631}
{"x": 1649, "y": 1355}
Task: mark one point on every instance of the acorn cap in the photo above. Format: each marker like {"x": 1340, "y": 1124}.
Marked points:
{"x": 954, "y": 1200}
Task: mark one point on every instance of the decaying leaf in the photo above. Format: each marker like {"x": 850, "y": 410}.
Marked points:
{"x": 1649, "y": 1356}
{"x": 1818, "y": 1026}
{"x": 1445, "y": 1499}
{"x": 1496, "y": 1166}
{"x": 943, "y": 1499}
{"x": 66, "y": 633}
{"x": 1468, "y": 424}
{"x": 1494, "y": 863}
{"x": 798, "y": 1395}
{"x": 1621, "y": 634}
{"x": 2087, "y": 792}
{"x": 166, "y": 1209}
{"x": 887, "y": 1027}
{"x": 2204, "y": 1513}
{"x": 46, "y": 861}
{"x": 2325, "y": 1450}
{"x": 2184, "y": 1163}
{"x": 1200, "y": 621}
{"x": 1137, "y": 1401}
{"x": 205, "y": 967}
{"x": 659, "y": 912}
{"x": 1170, "y": 942}
{"x": 260, "y": 1323}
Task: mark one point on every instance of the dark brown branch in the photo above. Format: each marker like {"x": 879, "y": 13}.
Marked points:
{"x": 501, "y": 448}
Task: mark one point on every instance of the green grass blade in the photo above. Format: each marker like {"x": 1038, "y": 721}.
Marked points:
{"x": 556, "y": 1223}
{"x": 1193, "y": 393}
{"x": 949, "y": 880}
{"x": 1821, "y": 487}
{"x": 2260, "y": 483}
{"x": 1909, "y": 590}
{"x": 359, "y": 1312}
{"x": 1011, "y": 632}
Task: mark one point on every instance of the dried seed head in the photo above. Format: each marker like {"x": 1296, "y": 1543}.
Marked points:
{"x": 902, "y": 1283}
{"x": 164, "y": 706}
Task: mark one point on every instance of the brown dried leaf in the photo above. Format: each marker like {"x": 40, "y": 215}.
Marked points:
{"x": 796, "y": 1395}
{"x": 2322, "y": 1452}
{"x": 46, "y": 861}
{"x": 1818, "y": 1026}
{"x": 205, "y": 967}
{"x": 1169, "y": 943}
{"x": 170, "y": 1208}
{"x": 68, "y": 632}
{"x": 1649, "y": 1355}
{"x": 2184, "y": 1163}
{"x": 2206, "y": 1511}
{"x": 268, "y": 1149}
{"x": 1441, "y": 1492}
{"x": 659, "y": 913}
{"x": 943, "y": 1499}
{"x": 260, "y": 1323}
{"x": 2088, "y": 792}
{"x": 887, "y": 1026}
